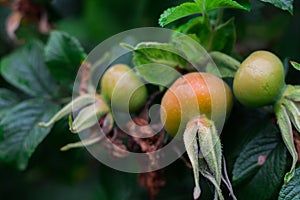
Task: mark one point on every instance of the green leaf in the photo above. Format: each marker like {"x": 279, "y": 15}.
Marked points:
{"x": 282, "y": 4}
{"x": 64, "y": 55}
{"x": 198, "y": 26}
{"x": 211, "y": 5}
{"x": 223, "y": 37}
{"x": 226, "y": 65}
{"x": 291, "y": 191}
{"x": 285, "y": 126}
{"x": 20, "y": 132}
{"x": 26, "y": 70}
{"x": 259, "y": 170}
{"x": 159, "y": 53}
{"x": 295, "y": 65}
{"x": 7, "y": 100}
{"x": 158, "y": 74}
{"x": 175, "y": 13}
{"x": 192, "y": 50}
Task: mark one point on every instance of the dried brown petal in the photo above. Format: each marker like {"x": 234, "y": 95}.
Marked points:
{"x": 13, "y": 23}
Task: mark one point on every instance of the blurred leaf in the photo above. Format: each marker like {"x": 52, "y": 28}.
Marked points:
{"x": 291, "y": 191}
{"x": 159, "y": 53}
{"x": 225, "y": 65}
{"x": 7, "y": 100}
{"x": 282, "y": 4}
{"x": 210, "y": 5}
{"x": 223, "y": 37}
{"x": 158, "y": 74}
{"x": 295, "y": 65}
{"x": 260, "y": 167}
{"x": 192, "y": 50}
{"x": 175, "y": 13}
{"x": 20, "y": 131}
{"x": 116, "y": 185}
{"x": 64, "y": 56}
{"x": 26, "y": 70}
{"x": 198, "y": 26}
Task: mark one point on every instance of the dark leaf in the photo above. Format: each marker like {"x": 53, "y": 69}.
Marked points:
{"x": 282, "y": 4}
{"x": 291, "y": 191}
{"x": 223, "y": 38}
{"x": 260, "y": 167}
{"x": 26, "y": 70}
{"x": 64, "y": 55}
{"x": 7, "y": 100}
{"x": 211, "y": 5}
{"x": 20, "y": 131}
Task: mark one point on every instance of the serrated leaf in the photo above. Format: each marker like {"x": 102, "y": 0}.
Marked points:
{"x": 247, "y": 163}
{"x": 64, "y": 54}
{"x": 158, "y": 74}
{"x": 26, "y": 70}
{"x": 211, "y": 5}
{"x": 291, "y": 191}
{"x": 260, "y": 167}
{"x": 159, "y": 53}
{"x": 175, "y": 13}
{"x": 282, "y": 4}
{"x": 21, "y": 133}
{"x": 295, "y": 65}
{"x": 7, "y": 100}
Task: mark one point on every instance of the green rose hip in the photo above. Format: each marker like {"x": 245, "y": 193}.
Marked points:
{"x": 259, "y": 80}
{"x": 123, "y": 88}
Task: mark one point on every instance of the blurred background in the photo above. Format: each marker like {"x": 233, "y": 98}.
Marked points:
{"x": 75, "y": 174}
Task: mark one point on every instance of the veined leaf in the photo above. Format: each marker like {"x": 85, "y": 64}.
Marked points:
{"x": 291, "y": 191}
{"x": 259, "y": 170}
{"x": 158, "y": 74}
{"x": 226, "y": 66}
{"x": 223, "y": 37}
{"x": 7, "y": 100}
{"x": 175, "y": 13}
{"x": 282, "y": 4}
{"x": 159, "y": 53}
{"x": 64, "y": 55}
{"x": 211, "y": 5}
{"x": 21, "y": 134}
{"x": 26, "y": 70}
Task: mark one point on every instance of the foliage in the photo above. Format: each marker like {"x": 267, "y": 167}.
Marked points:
{"x": 37, "y": 78}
